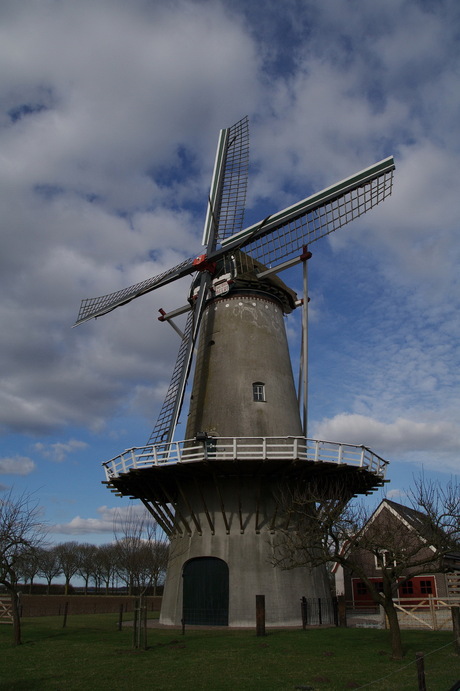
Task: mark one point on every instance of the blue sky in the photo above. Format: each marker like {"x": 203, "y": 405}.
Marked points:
{"x": 109, "y": 119}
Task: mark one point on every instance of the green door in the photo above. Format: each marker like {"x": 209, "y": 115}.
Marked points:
{"x": 205, "y": 594}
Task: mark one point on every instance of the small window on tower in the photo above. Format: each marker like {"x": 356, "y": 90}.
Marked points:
{"x": 258, "y": 391}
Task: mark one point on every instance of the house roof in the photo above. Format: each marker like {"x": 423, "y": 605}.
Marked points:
{"x": 416, "y": 519}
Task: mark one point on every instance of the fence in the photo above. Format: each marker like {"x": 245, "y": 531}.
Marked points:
{"x": 317, "y": 611}
{"x": 6, "y": 614}
{"x": 434, "y": 613}
{"x": 245, "y": 448}
{"x": 54, "y": 605}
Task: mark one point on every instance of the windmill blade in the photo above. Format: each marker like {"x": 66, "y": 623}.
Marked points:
{"x": 284, "y": 234}
{"x": 165, "y": 426}
{"x": 227, "y": 196}
{"x": 96, "y": 307}
{"x": 165, "y": 419}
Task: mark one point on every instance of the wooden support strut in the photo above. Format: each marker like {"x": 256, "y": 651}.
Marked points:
{"x": 158, "y": 515}
{"x": 240, "y": 508}
{"x": 222, "y": 507}
{"x": 173, "y": 516}
{"x": 208, "y": 517}
{"x": 192, "y": 513}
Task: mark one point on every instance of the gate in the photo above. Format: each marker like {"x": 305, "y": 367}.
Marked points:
{"x": 6, "y": 612}
{"x": 205, "y": 592}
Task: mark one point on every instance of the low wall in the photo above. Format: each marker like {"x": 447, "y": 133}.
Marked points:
{"x": 54, "y": 605}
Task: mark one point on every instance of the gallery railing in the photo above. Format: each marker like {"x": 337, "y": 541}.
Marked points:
{"x": 245, "y": 449}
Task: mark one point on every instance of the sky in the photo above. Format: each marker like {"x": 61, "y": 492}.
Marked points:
{"x": 110, "y": 113}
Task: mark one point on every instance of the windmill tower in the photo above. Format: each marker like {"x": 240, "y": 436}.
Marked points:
{"x": 217, "y": 493}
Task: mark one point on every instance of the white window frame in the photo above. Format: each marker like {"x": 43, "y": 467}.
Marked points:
{"x": 258, "y": 392}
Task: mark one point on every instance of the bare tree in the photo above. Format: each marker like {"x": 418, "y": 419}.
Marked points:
{"x": 141, "y": 551}
{"x": 321, "y": 530}
{"x": 105, "y": 566}
{"x": 49, "y": 565}
{"x": 28, "y": 567}
{"x": 21, "y": 532}
{"x": 86, "y": 557}
{"x": 68, "y": 557}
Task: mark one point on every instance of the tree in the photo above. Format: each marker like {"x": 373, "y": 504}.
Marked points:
{"x": 68, "y": 557}
{"x": 86, "y": 557}
{"x": 321, "y": 530}
{"x": 105, "y": 565}
{"x": 49, "y": 566}
{"x": 141, "y": 551}
{"x": 21, "y": 532}
{"x": 28, "y": 567}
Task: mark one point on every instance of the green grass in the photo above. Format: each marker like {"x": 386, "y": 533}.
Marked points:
{"x": 90, "y": 653}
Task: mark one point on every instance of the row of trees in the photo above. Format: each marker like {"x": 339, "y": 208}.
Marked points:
{"x": 136, "y": 559}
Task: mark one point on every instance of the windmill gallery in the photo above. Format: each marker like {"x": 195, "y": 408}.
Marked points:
{"x": 217, "y": 493}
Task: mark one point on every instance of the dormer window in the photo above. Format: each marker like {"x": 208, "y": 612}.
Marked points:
{"x": 258, "y": 391}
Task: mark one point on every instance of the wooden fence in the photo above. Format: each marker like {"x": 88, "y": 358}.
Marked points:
{"x": 6, "y": 614}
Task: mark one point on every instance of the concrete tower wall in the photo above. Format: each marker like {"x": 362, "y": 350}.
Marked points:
{"x": 243, "y": 341}
{"x": 229, "y": 513}
{"x": 244, "y": 540}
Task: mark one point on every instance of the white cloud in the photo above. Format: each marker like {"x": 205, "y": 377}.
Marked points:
{"x": 395, "y": 494}
{"x": 402, "y": 438}
{"x": 107, "y": 522}
{"x": 16, "y": 465}
{"x": 109, "y": 115}
{"x": 59, "y": 450}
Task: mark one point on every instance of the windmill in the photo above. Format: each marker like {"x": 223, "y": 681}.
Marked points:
{"x": 216, "y": 493}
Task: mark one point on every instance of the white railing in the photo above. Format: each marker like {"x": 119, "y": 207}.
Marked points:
{"x": 245, "y": 449}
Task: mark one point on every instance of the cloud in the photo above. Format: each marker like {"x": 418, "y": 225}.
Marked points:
{"x": 397, "y": 438}
{"x": 16, "y": 465}
{"x": 106, "y": 155}
{"x": 396, "y": 494}
{"x": 107, "y": 522}
{"x": 59, "y": 451}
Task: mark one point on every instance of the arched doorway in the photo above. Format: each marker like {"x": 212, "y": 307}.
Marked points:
{"x": 205, "y": 593}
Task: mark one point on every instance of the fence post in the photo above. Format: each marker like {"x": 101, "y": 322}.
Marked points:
{"x": 341, "y": 611}
{"x": 420, "y": 671}
{"x": 144, "y": 642}
{"x": 433, "y": 612}
{"x": 66, "y": 609}
{"x": 303, "y": 610}
{"x": 260, "y": 615}
{"x": 455, "y": 609}
{"x": 135, "y": 624}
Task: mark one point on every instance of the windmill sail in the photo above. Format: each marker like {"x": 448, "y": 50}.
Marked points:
{"x": 279, "y": 236}
{"x": 225, "y": 215}
{"x": 96, "y": 307}
{"x": 166, "y": 417}
{"x": 283, "y": 234}
{"x": 227, "y": 196}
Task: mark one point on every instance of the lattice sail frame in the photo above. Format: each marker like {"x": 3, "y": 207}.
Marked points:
{"x": 284, "y": 234}
{"x": 227, "y": 196}
{"x": 279, "y": 236}
{"x": 167, "y": 413}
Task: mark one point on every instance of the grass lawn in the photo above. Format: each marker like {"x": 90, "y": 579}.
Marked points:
{"x": 90, "y": 653}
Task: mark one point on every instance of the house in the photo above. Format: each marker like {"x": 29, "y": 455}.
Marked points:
{"x": 393, "y": 536}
